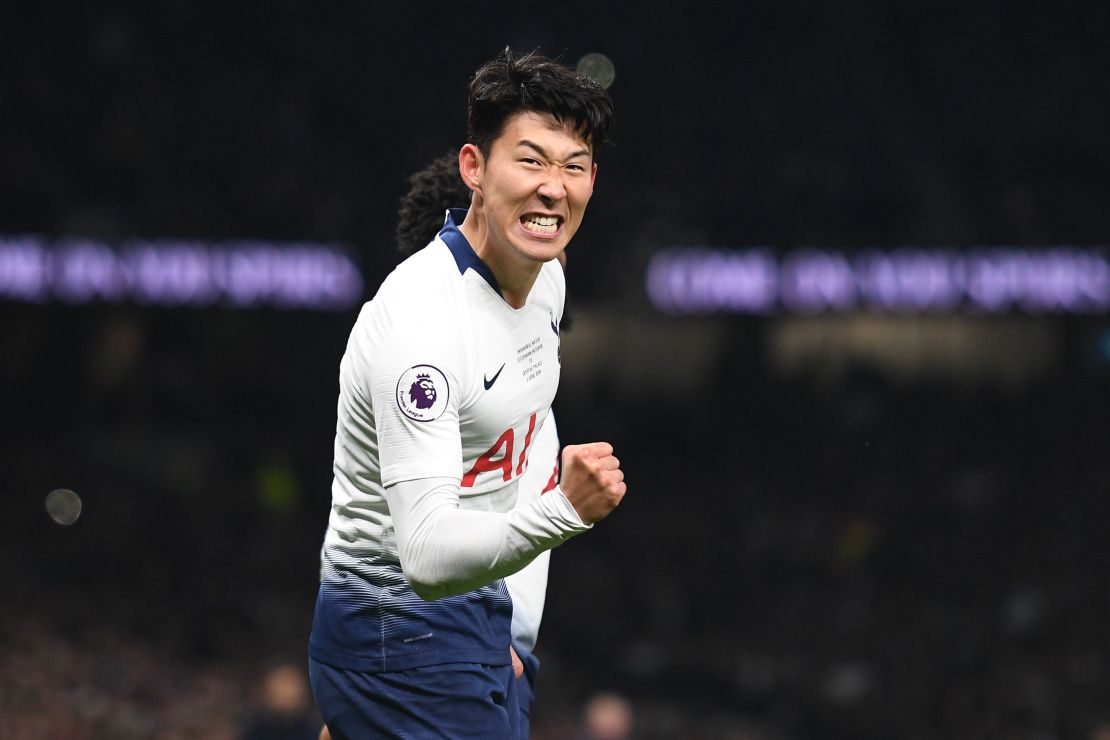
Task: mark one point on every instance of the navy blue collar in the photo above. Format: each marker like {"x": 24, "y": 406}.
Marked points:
{"x": 464, "y": 254}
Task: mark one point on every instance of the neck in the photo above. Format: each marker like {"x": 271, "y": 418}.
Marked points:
{"x": 515, "y": 274}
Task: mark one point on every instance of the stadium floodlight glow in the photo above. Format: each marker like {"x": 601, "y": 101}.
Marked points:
{"x": 905, "y": 280}
{"x": 171, "y": 273}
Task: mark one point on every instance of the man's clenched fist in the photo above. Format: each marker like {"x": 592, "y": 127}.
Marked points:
{"x": 592, "y": 480}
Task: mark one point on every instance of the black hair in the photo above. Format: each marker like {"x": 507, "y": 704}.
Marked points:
{"x": 432, "y": 191}
{"x": 510, "y": 84}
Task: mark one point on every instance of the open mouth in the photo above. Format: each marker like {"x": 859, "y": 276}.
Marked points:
{"x": 541, "y": 224}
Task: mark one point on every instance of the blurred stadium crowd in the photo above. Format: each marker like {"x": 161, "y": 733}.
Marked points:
{"x": 865, "y": 557}
{"x": 868, "y": 559}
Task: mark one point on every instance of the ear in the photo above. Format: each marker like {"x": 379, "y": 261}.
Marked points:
{"x": 593, "y": 174}
{"x": 471, "y": 167}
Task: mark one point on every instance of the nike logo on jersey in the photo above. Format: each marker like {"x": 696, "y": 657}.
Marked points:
{"x": 554, "y": 326}
{"x": 488, "y": 382}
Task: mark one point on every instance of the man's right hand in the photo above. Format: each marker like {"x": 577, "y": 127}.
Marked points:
{"x": 592, "y": 480}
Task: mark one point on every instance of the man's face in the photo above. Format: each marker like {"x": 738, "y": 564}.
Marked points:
{"x": 537, "y": 180}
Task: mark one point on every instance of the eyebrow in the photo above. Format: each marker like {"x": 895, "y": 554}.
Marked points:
{"x": 540, "y": 150}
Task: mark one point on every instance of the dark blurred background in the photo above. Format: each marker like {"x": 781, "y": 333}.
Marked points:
{"x": 853, "y": 525}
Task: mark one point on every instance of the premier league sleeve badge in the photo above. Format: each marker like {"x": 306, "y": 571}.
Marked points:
{"x": 422, "y": 393}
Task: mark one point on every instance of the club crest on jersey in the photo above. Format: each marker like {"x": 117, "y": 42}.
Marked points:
{"x": 422, "y": 393}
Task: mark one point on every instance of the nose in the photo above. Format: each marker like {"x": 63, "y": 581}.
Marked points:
{"x": 551, "y": 189}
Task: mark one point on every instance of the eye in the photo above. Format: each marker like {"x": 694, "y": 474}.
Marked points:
{"x": 530, "y": 161}
{"x": 576, "y": 168}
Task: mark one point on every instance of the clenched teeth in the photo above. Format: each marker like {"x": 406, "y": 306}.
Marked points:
{"x": 541, "y": 224}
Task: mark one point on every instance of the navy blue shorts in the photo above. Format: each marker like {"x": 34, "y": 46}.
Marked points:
{"x": 452, "y": 700}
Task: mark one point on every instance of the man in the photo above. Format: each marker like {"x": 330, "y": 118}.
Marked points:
{"x": 446, "y": 383}
{"x": 433, "y": 191}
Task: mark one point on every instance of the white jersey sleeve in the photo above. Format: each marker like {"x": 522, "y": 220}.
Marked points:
{"x": 446, "y": 550}
{"x": 411, "y": 361}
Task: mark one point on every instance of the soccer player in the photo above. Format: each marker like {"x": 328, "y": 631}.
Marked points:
{"x": 432, "y": 192}
{"x": 445, "y": 388}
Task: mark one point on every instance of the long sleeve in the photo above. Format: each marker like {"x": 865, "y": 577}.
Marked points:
{"x": 445, "y": 550}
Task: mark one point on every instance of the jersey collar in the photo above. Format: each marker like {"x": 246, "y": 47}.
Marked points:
{"x": 464, "y": 254}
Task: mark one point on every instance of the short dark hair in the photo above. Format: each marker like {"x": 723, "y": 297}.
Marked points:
{"x": 432, "y": 191}
{"x": 510, "y": 84}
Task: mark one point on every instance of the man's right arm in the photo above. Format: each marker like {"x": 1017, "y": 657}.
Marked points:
{"x": 446, "y": 550}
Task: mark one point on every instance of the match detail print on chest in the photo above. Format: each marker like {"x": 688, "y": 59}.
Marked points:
{"x": 537, "y": 353}
{"x": 529, "y": 359}
{"x": 523, "y": 365}
{"x": 518, "y": 377}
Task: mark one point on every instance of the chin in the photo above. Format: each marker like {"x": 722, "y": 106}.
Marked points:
{"x": 540, "y": 250}
{"x": 544, "y": 252}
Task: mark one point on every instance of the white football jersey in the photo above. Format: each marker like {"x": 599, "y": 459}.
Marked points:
{"x": 440, "y": 378}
